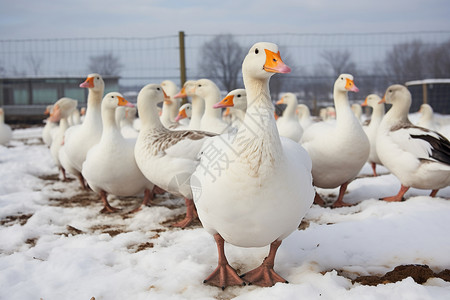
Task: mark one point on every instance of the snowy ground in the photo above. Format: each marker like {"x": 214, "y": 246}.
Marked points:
{"x": 54, "y": 244}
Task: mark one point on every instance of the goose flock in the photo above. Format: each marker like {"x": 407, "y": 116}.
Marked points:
{"x": 250, "y": 179}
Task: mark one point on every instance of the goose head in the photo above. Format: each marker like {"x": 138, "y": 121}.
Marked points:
{"x": 303, "y": 111}
{"x": 205, "y": 87}
{"x": 345, "y": 83}
{"x": 113, "y": 100}
{"x": 397, "y": 95}
{"x": 151, "y": 94}
{"x": 371, "y": 100}
{"x": 186, "y": 90}
{"x": 426, "y": 110}
{"x": 289, "y": 99}
{"x": 184, "y": 112}
{"x": 263, "y": 60}
{"x": 95, "y": 82}
{"x": 62, "y": 109}
{"x": 236, "y": 98}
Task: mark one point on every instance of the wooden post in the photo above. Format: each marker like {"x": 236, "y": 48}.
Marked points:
{"x": 182, "y": 58}
{"x": 425, "y": 93}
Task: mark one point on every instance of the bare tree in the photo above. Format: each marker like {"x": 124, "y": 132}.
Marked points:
{"x": 35, "y": 63}
{"x": 221, "y": 61}
{"x": 439, "y": 61}
{"x": 105, "y": 64}
{"x": 339, "y": 61}
{"x": 406, "y": 62}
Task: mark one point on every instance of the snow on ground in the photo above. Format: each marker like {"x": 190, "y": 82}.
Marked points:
{"x": 54, "y": 244}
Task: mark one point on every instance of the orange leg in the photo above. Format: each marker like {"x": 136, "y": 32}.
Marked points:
{"x": 191, "y": 214}
{"x": 318, "y": 200}
{"x": 434, "y": 192}
{"x": 374, "y": 169}
{"x": 224, "y": 275}
{"x": 147, "y": 201}
{"x": 107, "y": 207}
{"x": 339, "y": 202}
{"x": 82, "y": 182}
{"x": 265, "y": 275}
{"x": 399, "y": 196}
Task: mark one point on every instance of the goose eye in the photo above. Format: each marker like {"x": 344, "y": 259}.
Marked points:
{"x": 256, "y": 51}
{"x": 112, "y": 96}
{"x": 342, "y": 78}
{"x": 390, "y": 91}
{"x": 158, "y": 89}
{"x": 239, "y": 96}
{"x": 199, "y": 85}
{"x": 98, "y": 77}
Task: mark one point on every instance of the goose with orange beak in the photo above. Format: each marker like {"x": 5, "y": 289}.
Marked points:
{"x": 61, "y": 112}
{"x": 257, "y": 189}
{"x": 288, "y": 125}
{"x": 184, "y": 114}
{"x": 371, "y": 129}
{"x": 198, "y": 105}
{"x": 235, "y": 103}
{"x": 338, "y": 149}
{"x": 110, "y": 166}
{"x": 167, "y": 158}
{"x": 80, "y": 138}
{"x": 417, "y": 156}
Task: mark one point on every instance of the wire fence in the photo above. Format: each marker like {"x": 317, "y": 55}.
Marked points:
{"x": 146, "y": 60}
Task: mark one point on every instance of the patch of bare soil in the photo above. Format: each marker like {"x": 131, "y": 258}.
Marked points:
{"x": 17, "y": 219}
{"x": 419, "y": 273}
{"x": 195, "y": 224}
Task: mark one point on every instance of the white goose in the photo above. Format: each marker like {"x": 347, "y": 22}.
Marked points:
{"x": 304, "y": 116}
{"x": 427, "y": 118}
{"x": 198, "y": 105}
{"x": 170, "y": 105}
{"x": 110, "y": 166}
{"x": 371, "y": 129}
{"x": 236, "y": 102}
{"x": 125, "y": 116}
{"x": 257, "y": 190}
{"x": 288, "y": 125}
{"x": 338, "y": 149}
{"x": 50, "y": 127}
{"x": 5, "y": 130}
{"x": 62, "y": 111}
{"x": 167, "y": 158}
{"x": 212, "y": 118}
{"x": 80, "y": 138}
{"x": 184, "y": 113}
{"x": 418, "y": 157}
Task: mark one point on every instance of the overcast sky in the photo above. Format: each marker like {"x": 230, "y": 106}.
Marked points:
{"x": 146, "y": 18}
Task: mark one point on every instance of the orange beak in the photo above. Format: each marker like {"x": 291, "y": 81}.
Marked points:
{"x": 350, "y": 86}
{"x": 274, "y": 64}
{"x": 227, "y": 112}
{"x": 275, "y": 115}
{"x": 55, "y": 116}
{"x": 181, "y": 115}
{"x": 123, "y": 102}
{"x": 383, "y": 100}
{"x": 89, "y": 83}
{"x": 365, "y": 102}
{"x": 226, "y": 102}
{"x": 181, "y": 94}
{"x": 281, "y": 101}
{"x": 166, "y": 98}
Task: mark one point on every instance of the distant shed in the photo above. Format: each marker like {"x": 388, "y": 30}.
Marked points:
{"x": 25, "y": 99}
{"x": 435, "y": 92}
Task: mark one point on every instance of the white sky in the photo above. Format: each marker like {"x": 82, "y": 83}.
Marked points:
{"x": 146, "y": 18}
